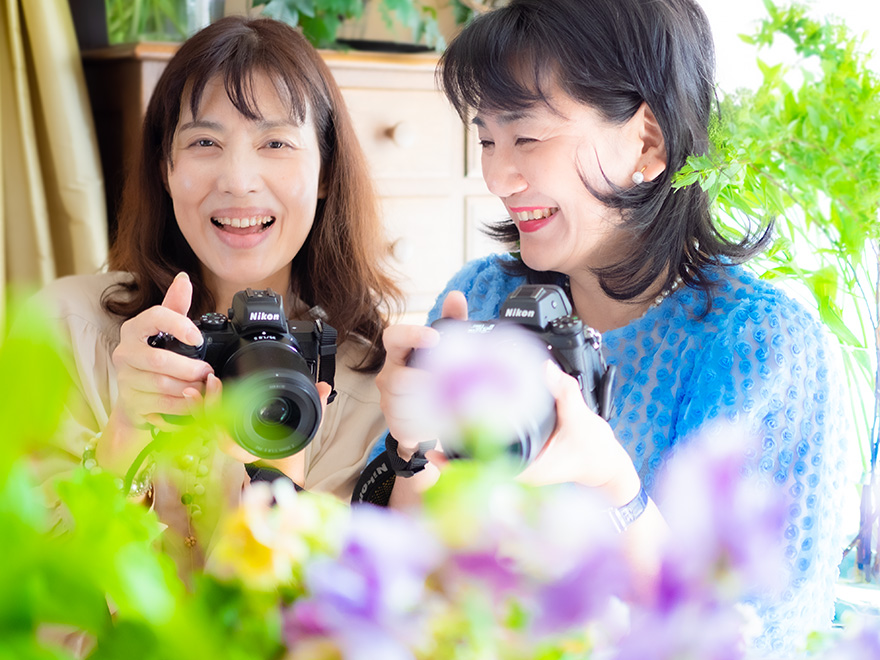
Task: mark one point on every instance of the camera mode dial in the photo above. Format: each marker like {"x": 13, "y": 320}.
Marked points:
{"x": 566, "y": 325}
{"x": 213, "y": 322}
{"x": 171, "y": 343}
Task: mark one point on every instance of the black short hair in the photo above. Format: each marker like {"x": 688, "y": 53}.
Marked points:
{"x": 612, "y": 55}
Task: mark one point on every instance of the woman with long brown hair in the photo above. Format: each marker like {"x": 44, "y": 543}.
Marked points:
{"x": 250, "y": 179}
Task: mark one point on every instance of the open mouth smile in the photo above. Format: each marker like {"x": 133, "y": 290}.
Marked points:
{"x": 526, "y": 215}
{"x": 253, "y": 224}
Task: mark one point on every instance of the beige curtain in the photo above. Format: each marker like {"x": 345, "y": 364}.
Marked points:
{"x": 53, "y": 218}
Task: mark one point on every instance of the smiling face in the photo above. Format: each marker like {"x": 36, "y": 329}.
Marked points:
{"x": 244, "y": 191}
{"x": 534, "y": 160}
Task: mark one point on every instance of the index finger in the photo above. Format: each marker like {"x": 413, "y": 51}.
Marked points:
{"x": 400, "y": 340}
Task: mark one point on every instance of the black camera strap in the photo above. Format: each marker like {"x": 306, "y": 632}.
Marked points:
{"x": 376, "y": 482}
{"x": 327, "y": 355}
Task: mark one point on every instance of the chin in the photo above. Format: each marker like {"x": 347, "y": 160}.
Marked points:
{"x": 535, "y": 262}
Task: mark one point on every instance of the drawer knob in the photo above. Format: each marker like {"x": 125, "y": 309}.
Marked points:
{"x": 403, "y": 134}
{"x": 402, "y": 250}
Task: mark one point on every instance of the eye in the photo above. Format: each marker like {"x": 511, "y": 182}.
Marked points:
{"x": 205, "y": 143}
{"x": 520, "y": 141}
{"x": 485, "y": 144}
{"x": 275, "y": 144}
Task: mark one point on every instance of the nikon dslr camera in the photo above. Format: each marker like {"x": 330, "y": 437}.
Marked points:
{"x": 272, "y": 363}
{"x": 576, "y": 348}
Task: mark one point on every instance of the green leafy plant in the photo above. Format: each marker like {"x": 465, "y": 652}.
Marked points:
{"x": 149, "y": 20}
{"x": 62, "y": 582}
{"x": 804, "y": 149}
{"x": 319, "y": 20}
{"x": 466, "y": 10}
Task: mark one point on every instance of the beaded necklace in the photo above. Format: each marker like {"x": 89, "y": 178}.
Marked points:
{"x": 668, "y": 291}
{"x": 663, "y": 295}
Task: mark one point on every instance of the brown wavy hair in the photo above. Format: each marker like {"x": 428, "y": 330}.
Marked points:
{"x": 340, "y": 265}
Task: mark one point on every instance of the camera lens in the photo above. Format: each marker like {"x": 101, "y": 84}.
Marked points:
{"x": 274, "y": 412}
{"x": 533, "y": 434}
{"x": 277, "y": 407}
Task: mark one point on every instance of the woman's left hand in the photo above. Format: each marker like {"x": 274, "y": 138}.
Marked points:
{"x": 582, "y": 448}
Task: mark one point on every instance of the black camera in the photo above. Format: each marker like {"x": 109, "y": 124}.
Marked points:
{"x": 575, "y": 347}
{"x": 272, "y": 365}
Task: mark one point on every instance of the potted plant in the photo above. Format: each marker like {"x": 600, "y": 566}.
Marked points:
{"x": 175, "y": 20}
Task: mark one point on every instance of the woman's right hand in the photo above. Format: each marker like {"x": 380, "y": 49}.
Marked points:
{"x": 399, "y": 384}
{"x": 151, "y": 381}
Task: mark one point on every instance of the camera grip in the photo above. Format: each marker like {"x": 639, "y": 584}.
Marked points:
{"x": 576, "y": 349}
{"x": 169, "y": 342}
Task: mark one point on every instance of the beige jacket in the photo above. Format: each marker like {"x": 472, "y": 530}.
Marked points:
{"x": 333, "y": 460}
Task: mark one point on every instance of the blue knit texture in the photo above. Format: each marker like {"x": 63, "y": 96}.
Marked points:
{"x": 758, "y": 358}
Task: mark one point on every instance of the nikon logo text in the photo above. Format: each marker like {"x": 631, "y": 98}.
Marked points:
{"x": 519, "y": 313}
{"x": 263, "y": 316}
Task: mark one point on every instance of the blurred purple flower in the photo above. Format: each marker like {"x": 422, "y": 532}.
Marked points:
{"x": 370, "y": 599}
{"x": 581, "y": 595}
{"x": 498, "y": 573}
{"x": 696, "y": 629}
{"x": 485, "y": 384}
{"x": 727, "y": 526}
{"x": 552, "y": 549}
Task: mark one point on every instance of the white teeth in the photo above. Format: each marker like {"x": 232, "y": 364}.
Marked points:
{"x": 244, "y": 222}
{"x": 536, "y": 214}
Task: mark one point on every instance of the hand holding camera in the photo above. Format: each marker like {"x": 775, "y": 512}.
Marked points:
{"x": 487, "y": 377}
{"x": 273, "y": 365}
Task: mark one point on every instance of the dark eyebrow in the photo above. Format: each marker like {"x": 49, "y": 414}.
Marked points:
{"x": 504, "y": 117}
{"x": 263, "y": 124}
{"x": 214, "y": 126}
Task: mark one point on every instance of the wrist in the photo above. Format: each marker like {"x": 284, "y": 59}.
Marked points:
{"x": 623, "y": 487}
{"x": 119, "y": 443}
{"x": 622, "y": 482}
{"x": 137, "y": 486}
{"x": 407, "y": 461}
{"x": 624, "y": 516}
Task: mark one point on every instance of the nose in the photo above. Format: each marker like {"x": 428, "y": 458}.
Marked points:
{"x": 501, "y": 174}
{"x": 240, "y": 173}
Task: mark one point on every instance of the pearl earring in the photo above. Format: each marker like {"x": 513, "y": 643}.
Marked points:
{"x": 639, "y": 177}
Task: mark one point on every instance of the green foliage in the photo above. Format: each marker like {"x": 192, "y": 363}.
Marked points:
{"x": 30, "y": 402}
{"x": 107, "y": 553}
{"x": 145, "y": 20}
{"x": 320, "y": 20}
{"x": 465, "y": 11}
{"x": 804, "y": 149}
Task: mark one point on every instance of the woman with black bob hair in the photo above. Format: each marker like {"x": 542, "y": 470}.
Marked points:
{"x": 508, "y": 63}
{"x": 249, "y": 177}
{"x": 585, "y": 110}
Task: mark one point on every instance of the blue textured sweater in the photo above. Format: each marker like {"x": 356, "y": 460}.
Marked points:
{"x": 757, "y": 356}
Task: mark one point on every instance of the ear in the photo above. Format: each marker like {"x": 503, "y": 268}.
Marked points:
{"x": 652, "y": 162}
